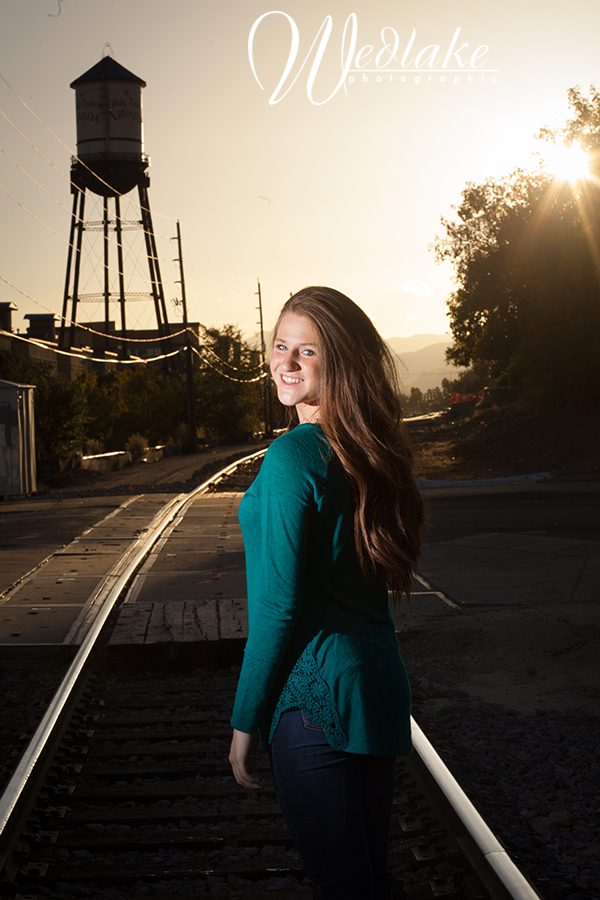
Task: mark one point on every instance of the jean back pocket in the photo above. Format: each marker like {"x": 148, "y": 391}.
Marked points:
{"x": 309, "y": 723}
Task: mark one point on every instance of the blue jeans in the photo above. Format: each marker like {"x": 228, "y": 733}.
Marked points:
{"x": 338, "y": 807}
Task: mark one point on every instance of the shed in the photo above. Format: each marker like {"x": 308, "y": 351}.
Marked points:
{"x": 17, "y": 439}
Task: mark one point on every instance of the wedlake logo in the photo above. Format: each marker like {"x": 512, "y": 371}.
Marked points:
{"x": 388, "y": 59}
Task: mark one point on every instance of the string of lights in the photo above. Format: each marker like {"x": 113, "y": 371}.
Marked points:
{"x": 133, "y": 340}
{"x": 228, "y": 364}
{"x": 127, "y": 362}
{"x": 224, "y": 374}
{"x": 84, "y": 358}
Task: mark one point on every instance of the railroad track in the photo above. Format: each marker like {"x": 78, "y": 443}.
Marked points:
{"x": 125, "y": 787}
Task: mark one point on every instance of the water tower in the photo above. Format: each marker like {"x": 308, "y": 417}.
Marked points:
{"x": 110, "y": 162}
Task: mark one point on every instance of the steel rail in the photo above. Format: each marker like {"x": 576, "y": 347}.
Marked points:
{"x": 115, "y": 582}
{"x": 488, "y": 858}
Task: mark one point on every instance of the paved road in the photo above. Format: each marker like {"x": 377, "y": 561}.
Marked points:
{"x": 551, "y": 508}
{"x": 514, "y": 544}
{"x": 32, "y": 528}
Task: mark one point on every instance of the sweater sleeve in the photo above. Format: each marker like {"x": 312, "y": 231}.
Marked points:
{"x": 275, "y": 566}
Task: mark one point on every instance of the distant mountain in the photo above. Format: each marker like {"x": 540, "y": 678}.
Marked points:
{"x": 416, "y": 342}
{"x": 425, "y": 367}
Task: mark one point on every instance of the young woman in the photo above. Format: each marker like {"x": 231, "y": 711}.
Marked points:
{"x": 332, "y": 522}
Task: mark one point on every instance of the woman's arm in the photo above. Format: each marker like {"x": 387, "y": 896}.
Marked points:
{"x": 275, "y": 568}
{"x": 242, "y": 759}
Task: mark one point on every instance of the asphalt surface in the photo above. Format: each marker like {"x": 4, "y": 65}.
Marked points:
{"x": 33, "y": 528}
{"x": 514, "y": 545}
{"x": 552, "y": 509}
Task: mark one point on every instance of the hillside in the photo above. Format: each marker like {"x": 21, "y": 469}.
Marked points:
{"x": 416, "y": 342}
{"x": 422, "y": 362}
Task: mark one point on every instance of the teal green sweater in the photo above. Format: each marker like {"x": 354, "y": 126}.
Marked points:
{"x": 320, "y": 634}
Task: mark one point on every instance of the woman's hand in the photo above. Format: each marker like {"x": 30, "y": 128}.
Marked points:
{"x": 241, "y": 759}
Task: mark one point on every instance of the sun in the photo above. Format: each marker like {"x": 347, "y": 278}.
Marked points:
{"x": 567, "y": 162}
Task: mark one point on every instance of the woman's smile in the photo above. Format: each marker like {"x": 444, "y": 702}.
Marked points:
{"x": 295, "y": 365}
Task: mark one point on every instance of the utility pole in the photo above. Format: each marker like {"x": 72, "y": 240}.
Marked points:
{"x": 263, "y": 354}
{"x": 190, "y": 400}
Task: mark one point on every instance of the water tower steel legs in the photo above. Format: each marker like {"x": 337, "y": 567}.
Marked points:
{"x": 106, "y": 272}
{"x": 63, "y": 318}
{"x": 75, "y": 294}
{"x": 68, "y": 325}
{"x": 153, "y": 265}
{"x": 120, "y": 262}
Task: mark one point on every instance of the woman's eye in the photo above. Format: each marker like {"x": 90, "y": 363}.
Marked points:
{"x": 308, "y": 352}
{"x": 280, "y": 347}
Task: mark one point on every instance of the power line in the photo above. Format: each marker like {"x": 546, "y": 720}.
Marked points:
{"x": 35, "y": 147}
{"x": 65, "y": 145}
{"x": 70, "y": 322}
{"x": 53, "y": 231}
{"x": 34, "y": 180}
{"x": 74, "y": 185}
{"x": 32, "y": 214}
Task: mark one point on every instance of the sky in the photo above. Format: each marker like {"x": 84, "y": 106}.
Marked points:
{"x": 339, "y": 178}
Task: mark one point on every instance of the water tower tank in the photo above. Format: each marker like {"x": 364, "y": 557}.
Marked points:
{"x": 108, "y": 100}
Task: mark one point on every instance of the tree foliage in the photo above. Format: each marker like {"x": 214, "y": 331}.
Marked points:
{"x": 228, "y": 408}
{"x": 106, "y": 408}
{"x": 526, "y": 253}
{"x": 61, "y": 410}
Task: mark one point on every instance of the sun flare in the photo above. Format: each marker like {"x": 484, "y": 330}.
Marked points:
{"x": 567, "y": 162}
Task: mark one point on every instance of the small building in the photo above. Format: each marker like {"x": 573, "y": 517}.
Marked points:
{"x": 42, "y": 326}
{"x": 6, "y": 310}
{"x": 17, "y": 439}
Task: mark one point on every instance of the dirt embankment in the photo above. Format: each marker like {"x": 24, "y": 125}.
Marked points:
{"x": 509, "y": 440}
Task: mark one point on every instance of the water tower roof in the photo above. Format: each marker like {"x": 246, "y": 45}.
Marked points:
{"x": 108, "y": 69}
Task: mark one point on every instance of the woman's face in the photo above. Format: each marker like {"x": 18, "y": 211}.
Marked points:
{"x": 295, "y": 364}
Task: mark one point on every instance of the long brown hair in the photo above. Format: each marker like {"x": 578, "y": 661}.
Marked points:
{"x": 361, "y": 414}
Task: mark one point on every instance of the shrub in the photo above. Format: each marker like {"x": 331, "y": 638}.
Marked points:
{"x": 93, "y": 446}
{"x": 136, "y": 445}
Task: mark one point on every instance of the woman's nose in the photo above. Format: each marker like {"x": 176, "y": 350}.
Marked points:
{"x": 291, "y": 361}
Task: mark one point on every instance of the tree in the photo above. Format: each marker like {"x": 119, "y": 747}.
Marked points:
{"x": 229, "y": 404}
{"x": 151, "y": 402}
{"x": 415, "y": 401}
{"x": 526, "y": 251}
{"x": 109, "y": 406}
{"x": 61, "y": 416}
{"x": 61, "y": 410}
{"x": 473, "y": 379}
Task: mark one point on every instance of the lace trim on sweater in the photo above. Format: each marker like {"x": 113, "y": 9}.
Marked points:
{"x": 306, "y": 689}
